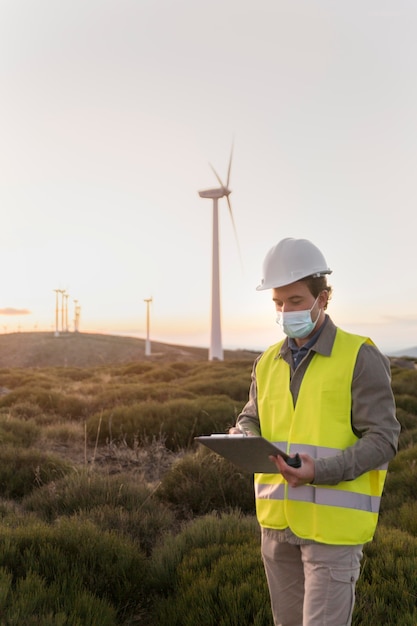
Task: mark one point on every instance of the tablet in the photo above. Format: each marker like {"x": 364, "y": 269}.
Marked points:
{"x": 248, "y": 452}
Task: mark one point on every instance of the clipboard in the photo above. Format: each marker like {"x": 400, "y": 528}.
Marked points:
{"x": 248, "y": 452}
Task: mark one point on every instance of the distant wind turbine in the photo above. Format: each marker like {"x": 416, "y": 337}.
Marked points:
{"x": 216, "y": 348}
{"x": 148, "y": 341}
{"x": 57, "y": 291}
{"x": 77, "y": 310}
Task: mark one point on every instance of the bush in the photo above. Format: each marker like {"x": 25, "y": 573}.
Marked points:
{"x": 17, "y": 432}
{"x": 84, "y": 490}
{"x": 408, "y": 434}
{"x": 226, "y": 382}
{"x": 126, "y": 394}
{"x": 407, "y": 420}
{"x": 23, "y": 410}
{"x": 211, "y": 573}
{"x": 177, "y": 421}
{"x": 202, "y": 482}
{"x": 404, "y": 518}
{"x": 118, "y": 503}
{"x": 73, "y": 374}
{"x": 401, "y": 482}
{"x": 387, "y": 587}
{"x": 34, "y": 602}
{"x": 404, "y": 381}
{"x": 22, "y": 471}
{"x": 26, "y": 378}
{"x": 407, "y": 402}
{"x": 47, "y": 401}
{"x": 144, "y": 526}
{"x": 74, "y": 559}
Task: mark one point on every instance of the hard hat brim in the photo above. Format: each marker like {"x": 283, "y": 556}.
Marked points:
{"x": 263, "y": 286}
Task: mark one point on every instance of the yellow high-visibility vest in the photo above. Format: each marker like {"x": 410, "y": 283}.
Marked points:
{"x": 319, "y": 425}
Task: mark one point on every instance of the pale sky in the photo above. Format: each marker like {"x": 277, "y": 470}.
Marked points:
{"x": 112, "y": 110}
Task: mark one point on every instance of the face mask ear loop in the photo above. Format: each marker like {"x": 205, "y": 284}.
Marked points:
{"x": 318, "y": 314}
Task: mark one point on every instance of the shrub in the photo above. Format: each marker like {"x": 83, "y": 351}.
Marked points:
{"x": 387, "y": 587}
{"x": 23, "y": 410}
{"x": 177, "y": 421}
{"x": 160, "y": 374}
{"x": 144, "y": 525}
{"x": 22, "y": 471}
{"x": 211, "y": 573}
{"x": 401, "y": 482}
{"x": 47, "y": 401}
{"x": 64, "y": 433}
{"x": 131, "y": 369}
{"x": 407, "y": 420}
{"x": 150, "y": 459}
{"x": 227, "y": 383}
{"x": 117, "y": 502}
{"x": 126, "y": 394}
{"x": 17, "y": 432}
{"x": 74, "y": 374}
{"x": 74, "y": 558}
{"x": 407, "y": 402}
{"x": 407, "y": 439}
{"x": 404, "y": 381}
{"x": 34, "y": 602}
{"x": 202, "y": 482}
{"x": 404, "y": 518}
{"x": 84, "y": 490}
{"x": 14, "y": 378}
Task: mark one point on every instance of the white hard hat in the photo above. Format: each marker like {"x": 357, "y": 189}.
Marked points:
{"x": 291, "y": 260}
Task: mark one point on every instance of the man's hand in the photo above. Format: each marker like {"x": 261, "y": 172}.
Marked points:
{"x": 237, "y": 431}
{"x": 296, "y": 477}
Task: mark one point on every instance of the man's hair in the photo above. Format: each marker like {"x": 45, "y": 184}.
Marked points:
{"x": 317, "y": 284}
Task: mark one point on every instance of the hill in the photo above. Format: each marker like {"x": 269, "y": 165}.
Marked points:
{"x": 405, "y": 352}
{"x": 42, "y": 349}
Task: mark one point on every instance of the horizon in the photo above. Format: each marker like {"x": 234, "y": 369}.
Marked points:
{"x": 409, "y": 351}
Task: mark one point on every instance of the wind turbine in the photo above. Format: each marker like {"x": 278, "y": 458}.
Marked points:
{"x": 77, "y": 310}
{"x": 216, "y": 348}
{"x": 57, "y": 291}
{"x": 148, "y": 341}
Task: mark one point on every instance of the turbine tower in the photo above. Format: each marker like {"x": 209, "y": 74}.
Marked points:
{"x": 148, "y": 341}
{"x": 77, "y": 310}
{"x": 216, "y": 348}
{"x": 57, "y": 291}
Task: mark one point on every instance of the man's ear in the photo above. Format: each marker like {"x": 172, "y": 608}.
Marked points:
{"x": 323, "y": 298}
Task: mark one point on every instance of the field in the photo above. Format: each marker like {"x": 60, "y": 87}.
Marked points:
{"x": 112, "y": 515}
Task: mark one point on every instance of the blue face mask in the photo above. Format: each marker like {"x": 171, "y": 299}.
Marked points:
{"x": 297, "y": 324}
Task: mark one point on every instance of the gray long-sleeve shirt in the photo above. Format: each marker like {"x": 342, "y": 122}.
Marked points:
{"x": 373, "y": 410}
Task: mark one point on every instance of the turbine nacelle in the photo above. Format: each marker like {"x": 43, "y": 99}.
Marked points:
{"x": 214, "y": 194}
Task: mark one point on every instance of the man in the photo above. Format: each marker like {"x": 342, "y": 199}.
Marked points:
{"x": 326, "y": 395}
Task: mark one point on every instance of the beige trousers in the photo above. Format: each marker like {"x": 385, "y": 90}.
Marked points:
{"x": 310, "y": 584}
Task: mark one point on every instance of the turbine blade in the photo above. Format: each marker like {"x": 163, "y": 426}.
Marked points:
{"x": 235, "y": 231}
{"x": 230, "y": 166}
{"x": 217, "y": 176}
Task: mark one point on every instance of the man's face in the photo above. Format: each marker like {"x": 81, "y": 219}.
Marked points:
{"x": 294, "y": 297}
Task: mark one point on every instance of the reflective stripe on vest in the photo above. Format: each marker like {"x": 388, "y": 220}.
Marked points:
{"x": 315, "y": 451}
{"x": 320, "y": 495}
